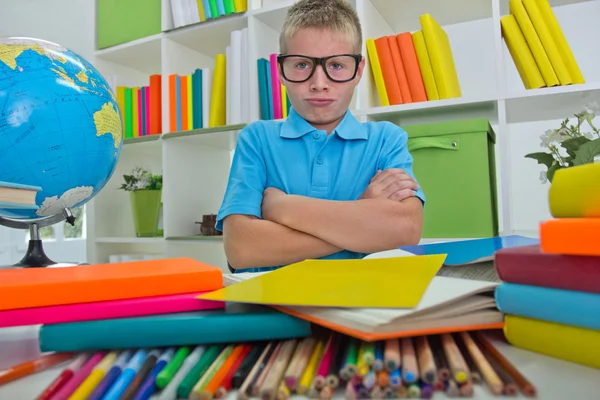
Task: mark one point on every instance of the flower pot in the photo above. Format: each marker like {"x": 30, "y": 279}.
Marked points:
{"x": 145, "y": 206}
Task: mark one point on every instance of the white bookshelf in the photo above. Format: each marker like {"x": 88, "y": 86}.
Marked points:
{"x": 195, "y": 164}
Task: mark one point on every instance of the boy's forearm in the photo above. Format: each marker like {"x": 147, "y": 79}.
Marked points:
{"x": 364, "y": 226}
{"x": 251, "y": 242}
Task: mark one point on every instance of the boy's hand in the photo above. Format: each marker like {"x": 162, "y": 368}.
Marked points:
{"x": 271, "y": 197}
{"x": 394, "y": 184}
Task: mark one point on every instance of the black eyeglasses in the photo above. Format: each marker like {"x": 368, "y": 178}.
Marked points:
{"x": 339, "y": 68}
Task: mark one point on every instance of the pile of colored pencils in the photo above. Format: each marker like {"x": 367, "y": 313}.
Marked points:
{"x": 315, "y": 367}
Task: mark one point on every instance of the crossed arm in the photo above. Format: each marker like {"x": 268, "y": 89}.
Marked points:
{"x": 294, "y": 228}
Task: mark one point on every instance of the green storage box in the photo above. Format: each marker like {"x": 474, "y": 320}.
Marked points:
{"x": 121, "y": 21}
{"x": 454, "y": 163}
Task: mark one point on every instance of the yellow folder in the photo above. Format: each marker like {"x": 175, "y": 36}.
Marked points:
{"x": 517, "y": 9}
{"x": 396, "y": 282}
{"x": 520, "y": 53}
{"x": 442, "y": 60}
{"x": 547, "y": 40}
{"x": 217, "y": 115}
{"x": 560, "y": 41}
{"x": 425, "y": 65}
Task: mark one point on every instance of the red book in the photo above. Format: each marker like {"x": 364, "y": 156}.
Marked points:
{"x": 528, "y": 265}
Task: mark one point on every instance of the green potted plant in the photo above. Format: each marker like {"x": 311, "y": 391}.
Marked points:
{"x": 145, "y": 195}
{"x": 572, "y": 144}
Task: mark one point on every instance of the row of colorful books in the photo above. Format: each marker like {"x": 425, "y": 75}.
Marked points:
{"x": 141, "y": 108}
{"x": 206, "y": 97}
{"x": 538, "y": 46}
{"x": 414, "y": 67}
{"x": 273, "y": 99}
{"x": 187, "y": 12}
{"x": 551, "y": 292}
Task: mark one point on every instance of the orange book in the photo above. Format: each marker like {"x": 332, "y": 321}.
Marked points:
{"x": 155, "y": 104}
{"x": 400, "y": 70}
{"x": 387, "y": 69}
{"x": 411, "y": 66}
{"x": 38, "y": 287}
{"x": 571, "y": 236}
{"x": 184, "y": 102}
{"x": 172, "y": 103}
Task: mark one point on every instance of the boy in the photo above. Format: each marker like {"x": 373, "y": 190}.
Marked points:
{"x": 320, "y": 184}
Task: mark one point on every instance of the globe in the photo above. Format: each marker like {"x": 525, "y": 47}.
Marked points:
{"x": 60, "y": 126}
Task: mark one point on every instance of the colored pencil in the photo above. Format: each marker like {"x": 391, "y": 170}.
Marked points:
{"x": 31, "y": 367}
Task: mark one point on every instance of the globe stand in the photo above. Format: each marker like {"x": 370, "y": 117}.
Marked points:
{"x": 35, "y": 257}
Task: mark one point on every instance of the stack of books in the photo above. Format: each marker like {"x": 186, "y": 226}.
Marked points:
{"x": 188, "y": 12}
{"x": 551, "y": 292}
{"x": 409, "y": 68}
{"x": 538, "y": 46}
{"x": 272, "y": 94}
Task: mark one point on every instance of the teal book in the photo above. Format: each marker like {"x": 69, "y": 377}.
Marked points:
{"x": 197, "y": 99}
{"x": 263, "y": 89}
{"x": 235, "y": 323}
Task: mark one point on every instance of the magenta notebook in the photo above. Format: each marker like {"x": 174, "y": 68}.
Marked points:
{"x": 174, "y": 303}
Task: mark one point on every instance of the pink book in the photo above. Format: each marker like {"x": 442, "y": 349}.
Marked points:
{"x": 147, "y": 90}
{"x": 107, "y": 309}
{"x": 140, "y": 113}
{"x": 275, "y": 88}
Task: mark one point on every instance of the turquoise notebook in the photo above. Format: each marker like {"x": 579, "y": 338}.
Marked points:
{"x": 567, "y": 307}
{"x": 236, "y": 323}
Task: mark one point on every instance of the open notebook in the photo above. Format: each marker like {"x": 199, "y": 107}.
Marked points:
{"x": 448, "y": 305}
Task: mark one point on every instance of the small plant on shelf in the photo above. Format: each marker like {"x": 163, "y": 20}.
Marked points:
{"x": 145, "y": 195}
{"x": 141, "y": 179}
{"x": 573, "y": 143}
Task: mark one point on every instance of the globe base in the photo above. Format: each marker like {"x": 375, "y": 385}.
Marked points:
{"x": 35, "y": 257}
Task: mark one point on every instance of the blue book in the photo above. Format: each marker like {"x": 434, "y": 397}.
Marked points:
{"x": 461, "y": 252}
{"x": 236, "y": 323}
{"x": 221, "y": 8}
{"x": 206, "y": 6}
{"x": 567, "y": 307}
{"x": 269, "y": 89}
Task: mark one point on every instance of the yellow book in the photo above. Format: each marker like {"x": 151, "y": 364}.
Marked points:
{"x": 283, "y": 101}
{"x": 548, "y": 42}
{"x": 135, "y": 93}
{"x": 217, "y": 100}
{"x": 201, "y": 10}
{"x": 560, "y": 41}
{"x": 190, "y": 107}
{"x": 240, "y": 5}
{"x": 571, "y": 343}
{"x": 396, "y": 282}
{"x": 425, "y": 66}
{"x": 377, "y": 74}
{"x": 440, "y": 55}
{"x": 572, "y": 193}
{"x": 521, "y": 54}
{"x": 121, "y": 103}
{"x": 517, "y": 9}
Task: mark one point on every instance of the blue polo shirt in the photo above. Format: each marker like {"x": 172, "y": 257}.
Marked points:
{"x": 299, "y": 159}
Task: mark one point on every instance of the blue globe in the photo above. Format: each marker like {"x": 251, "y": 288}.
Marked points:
{"x": 60, "y": 125}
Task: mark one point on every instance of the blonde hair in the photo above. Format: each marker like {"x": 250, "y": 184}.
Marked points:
{"x": 337, "y": 15}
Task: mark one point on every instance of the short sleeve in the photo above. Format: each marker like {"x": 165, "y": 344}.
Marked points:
{"x": 395, "y": 154}
{"x": 247, "y": 178}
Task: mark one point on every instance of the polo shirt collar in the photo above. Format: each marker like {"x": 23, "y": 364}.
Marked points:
{"x": 295, "y": 126}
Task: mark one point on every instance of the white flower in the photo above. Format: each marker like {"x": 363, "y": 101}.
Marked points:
{"x": 589, "y": 135}
{"x": 551, "y": 136}
{"x": 592, "y": 108}
{"x": 543, "y": 177}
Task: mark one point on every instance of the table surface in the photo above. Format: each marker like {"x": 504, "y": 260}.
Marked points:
{"x": 553, "y": 378}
